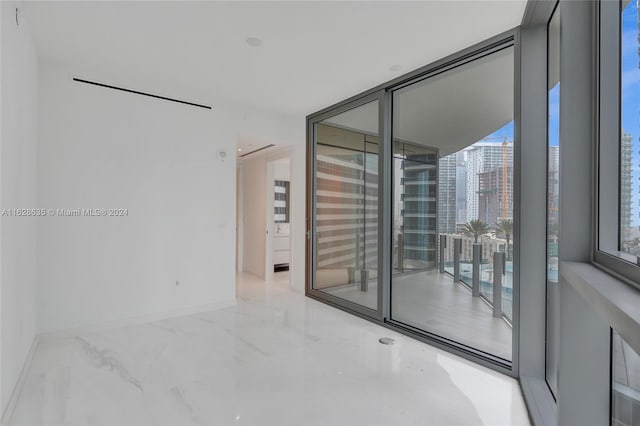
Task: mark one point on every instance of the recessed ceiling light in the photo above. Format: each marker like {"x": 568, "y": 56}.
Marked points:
{"x": 254, "y": 41}
{"x": 395, "y": 67}
{"x": 239, "y": 149}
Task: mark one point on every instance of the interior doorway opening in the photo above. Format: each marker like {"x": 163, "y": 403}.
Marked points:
{"x": 265, "y": 219}
{"x": 278, "y": 219}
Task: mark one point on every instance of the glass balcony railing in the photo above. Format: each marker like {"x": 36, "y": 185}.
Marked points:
{"x": 487, "y": 282}
{"x": 466, "y": 271}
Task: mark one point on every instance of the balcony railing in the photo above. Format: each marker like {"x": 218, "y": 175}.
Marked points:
{"x": 489, "y": 278}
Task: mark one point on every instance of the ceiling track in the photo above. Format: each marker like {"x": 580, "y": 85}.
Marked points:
{"x": 256, "y": 150}
{"x": 151, "y": 95}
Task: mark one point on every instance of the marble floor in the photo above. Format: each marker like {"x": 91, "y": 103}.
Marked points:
{"x": 277, "y": 358}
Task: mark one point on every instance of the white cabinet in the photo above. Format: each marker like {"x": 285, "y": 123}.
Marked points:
{"x": 280, "y": 247}
{"x": 281, "y": 243}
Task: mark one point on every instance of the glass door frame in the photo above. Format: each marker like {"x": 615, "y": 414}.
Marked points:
{"x": 450, "y": 343}
{"x": 383, "y": 198}
{"x": 384, "y": 94}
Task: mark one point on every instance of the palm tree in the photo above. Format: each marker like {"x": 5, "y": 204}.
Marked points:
{"x": 475, "y": 229}
{"x": 505, "y": 229}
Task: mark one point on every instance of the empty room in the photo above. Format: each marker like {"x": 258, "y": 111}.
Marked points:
{"x": 320, "y": 212}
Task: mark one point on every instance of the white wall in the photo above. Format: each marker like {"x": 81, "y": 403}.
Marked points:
{"x": 239, "y": 224}
{"x": 298, "y": 189}
{"x": 254, "y": 218}
{"x": 65, "y": 145}
{"x": 282, "y": 169}
{"x": 101, "y": 148}
{"x": 18, "y": 142}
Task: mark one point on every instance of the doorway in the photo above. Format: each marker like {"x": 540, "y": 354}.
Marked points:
{"x": 278, "y": 219}
{"x": 265, "y": 215}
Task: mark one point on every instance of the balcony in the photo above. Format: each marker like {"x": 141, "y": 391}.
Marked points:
{"x": 428, "y": 299}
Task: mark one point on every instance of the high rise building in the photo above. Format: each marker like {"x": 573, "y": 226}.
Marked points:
{"x": 419, "y": 211}
{"x": 447, "y": 193}
{"x": 343, "y": 195}
{"x": 495, "y": 195}
{"x": 452, "y": 192}
{"x": 347, "y": 202}
{"x": 483, "y": 157}
{"x": 553, "y": 190}
{"x": 461, "y": 188}
{"x": 626, "y": 184}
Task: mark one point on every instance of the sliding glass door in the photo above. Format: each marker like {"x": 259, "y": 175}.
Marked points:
{"x": 411, "y": 205}
{"x": 453, "y": 183}
{"x": 347, "y": 201}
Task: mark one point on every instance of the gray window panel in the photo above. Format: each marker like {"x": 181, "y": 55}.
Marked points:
{"x": 616, "y": 228}
{"x": 482, "y": 144}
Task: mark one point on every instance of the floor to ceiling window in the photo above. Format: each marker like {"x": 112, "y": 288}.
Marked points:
{"x": 629, "y": 243}
{"x": 625, "y": 386}
{"x": 346, "y": 205}
{"x": 453, "y": 180}
{"x": 617, "y": 246}
{"x": 412, "y": 206}
{"x": 553, "y": 199}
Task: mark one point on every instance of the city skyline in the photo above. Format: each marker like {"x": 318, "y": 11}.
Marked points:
{"x": 468, "y": 163}
{"x": 630, "y": 103}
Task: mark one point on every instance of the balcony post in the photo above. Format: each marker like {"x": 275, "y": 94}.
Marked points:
{"x": 357, "y": 248}
{"x": 364, "y": 280}
{"x": 443, "y": 246}
{"x": 498, "y": 262}
{"x": 457, "y": 250}
{"x": 316, "y": 250}
{"x": 400, "y": 252}
{"x": 477, "y": 257}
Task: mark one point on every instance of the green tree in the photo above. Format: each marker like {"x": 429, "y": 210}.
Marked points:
{"x": 504, "y": 228}
{"x": 475, "y": 229}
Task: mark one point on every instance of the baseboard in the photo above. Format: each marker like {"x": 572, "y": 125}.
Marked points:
{"x": 142, "y": 319}
{"x": 13, "y": 399}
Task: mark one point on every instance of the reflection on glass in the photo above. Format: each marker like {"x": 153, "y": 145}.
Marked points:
{"x": 414, "y": 230}
{"x": 346, "y": 196}
{"x": 630, "y": 118}
{"x": 553, "y": 201}
{"x": 453, "y": 179}
{"x": 281, "y": 202}
{"x": 625, "y": 392}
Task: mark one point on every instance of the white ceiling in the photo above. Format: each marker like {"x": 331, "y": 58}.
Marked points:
{"x": 457, "y": 108}
{"x": 313, "y": 54}
{"x": 449, "y": 111}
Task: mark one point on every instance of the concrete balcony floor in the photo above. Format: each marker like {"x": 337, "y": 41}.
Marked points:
{"x": 432, "y": 302}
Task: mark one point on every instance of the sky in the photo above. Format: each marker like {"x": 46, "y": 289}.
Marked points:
{"x": 554, "y": 115}
{"x": 630, "y": 84}
{"x": 504, "y": 131}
